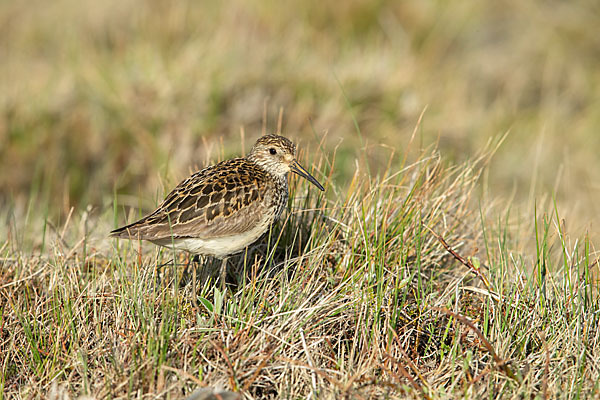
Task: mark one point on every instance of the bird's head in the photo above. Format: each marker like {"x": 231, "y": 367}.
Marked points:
{"x": 277, "y": 155}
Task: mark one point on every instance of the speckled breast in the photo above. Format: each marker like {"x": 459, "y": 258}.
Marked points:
{"x": 281, "y": 196}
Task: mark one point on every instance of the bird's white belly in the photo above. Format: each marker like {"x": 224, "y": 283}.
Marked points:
{"x": 218, "y": 247}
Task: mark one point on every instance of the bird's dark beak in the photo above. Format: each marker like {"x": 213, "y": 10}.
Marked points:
{"x": 299, "y": 169}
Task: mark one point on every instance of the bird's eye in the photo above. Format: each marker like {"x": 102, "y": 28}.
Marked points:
{"x": 272, "y": 151}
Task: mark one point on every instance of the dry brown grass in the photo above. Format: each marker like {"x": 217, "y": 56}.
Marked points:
{"x": 345, "y": 298}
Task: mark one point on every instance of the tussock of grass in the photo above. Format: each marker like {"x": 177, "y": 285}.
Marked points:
{"x": 345, "y": 297}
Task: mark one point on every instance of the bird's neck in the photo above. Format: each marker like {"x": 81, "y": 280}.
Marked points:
{"x": 280, "y": 179}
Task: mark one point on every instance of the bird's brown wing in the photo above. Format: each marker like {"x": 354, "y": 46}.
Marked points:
{"x": 221, "y": 200}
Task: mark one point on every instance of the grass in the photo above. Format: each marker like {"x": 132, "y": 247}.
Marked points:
{"x": 347, "y": 298}
{"x": 439, "y": 263}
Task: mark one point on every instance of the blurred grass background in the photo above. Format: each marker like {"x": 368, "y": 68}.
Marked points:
{"x": 101, "y": 97}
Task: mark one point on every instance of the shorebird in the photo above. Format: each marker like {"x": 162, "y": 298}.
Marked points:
{"x": 222, "y": 209}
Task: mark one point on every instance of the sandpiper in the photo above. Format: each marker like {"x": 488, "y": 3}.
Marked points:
{"x": 222, "y": 209}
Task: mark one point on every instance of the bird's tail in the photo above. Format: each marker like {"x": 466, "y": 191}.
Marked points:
{"x": 126, "y": 232}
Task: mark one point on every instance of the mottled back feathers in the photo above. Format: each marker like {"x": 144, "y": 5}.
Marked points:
{"x": 234, "y": 190}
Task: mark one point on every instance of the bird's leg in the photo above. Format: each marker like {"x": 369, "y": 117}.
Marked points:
{"x": 195, "y": 261}
{"x": 223, "y": 272}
